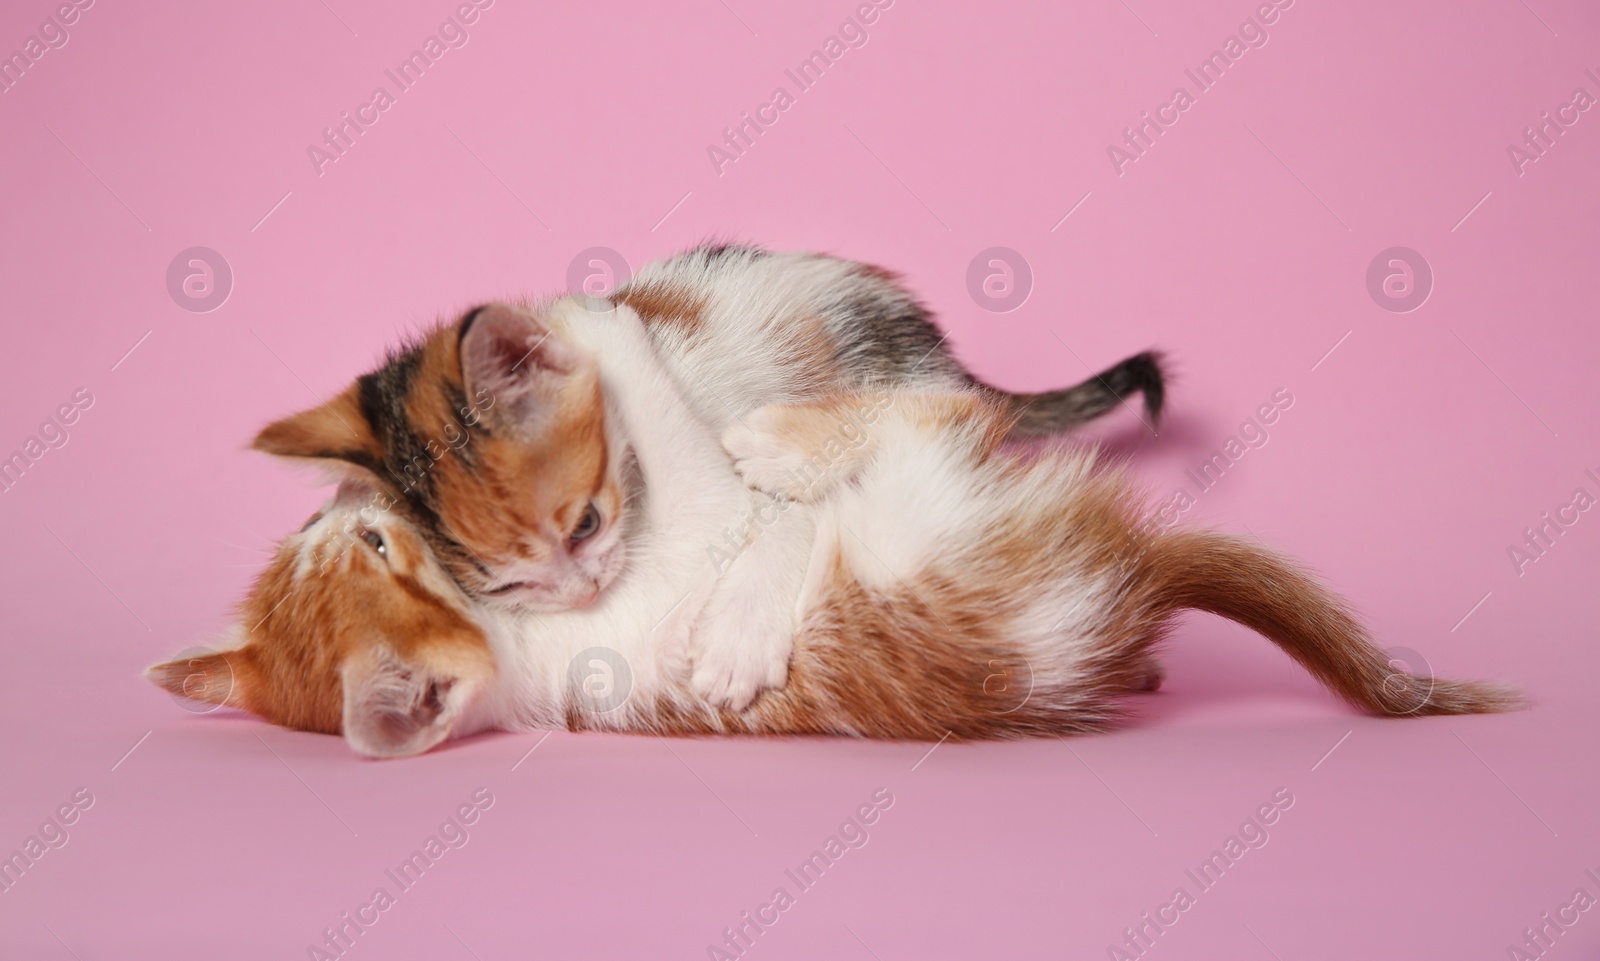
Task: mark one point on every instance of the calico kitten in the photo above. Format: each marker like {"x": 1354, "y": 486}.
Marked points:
{"x": 740, "y": 326}
{"x": 951, "y": 584}
{"x": 451, "y": 432}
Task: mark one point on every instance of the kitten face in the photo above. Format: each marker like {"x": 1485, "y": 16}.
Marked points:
{"x": 543, "y": 510}
{"x": 491, "y": 437}
{"x": 353, "y": 629}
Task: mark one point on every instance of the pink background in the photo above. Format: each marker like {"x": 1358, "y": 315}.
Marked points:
{"x": 1414, "y": 455}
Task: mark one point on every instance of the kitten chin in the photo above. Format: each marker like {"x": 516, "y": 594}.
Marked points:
{"x": 532, "y": 596}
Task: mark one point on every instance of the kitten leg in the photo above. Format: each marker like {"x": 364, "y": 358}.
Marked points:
{"x": 691, "y": 496}
{"x": 689, "y": 485}
{"x": 799, "y": 453}
{"x": 734, "y": 629}
{"x": 743, "y": 640}
{"x": 803, "y": 451}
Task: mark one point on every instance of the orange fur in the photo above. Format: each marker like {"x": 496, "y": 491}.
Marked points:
{"x": 664, "y": 304}
{"x": 312, "y": 611}
{"x": 926, "y": 655}
{"x": 523, "y": 494}
{"x": 336, "y": 431}
{"x": 494, "y": 490}
{"x": 915, "y": 661}
{"x": 487, "y": 442}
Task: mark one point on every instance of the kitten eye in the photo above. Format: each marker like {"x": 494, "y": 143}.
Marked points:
{"x": 588, "y": 525}
{"x": 375, "y": 542}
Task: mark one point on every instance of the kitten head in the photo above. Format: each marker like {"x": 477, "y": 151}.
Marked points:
{"x": 491, "y": 437}
{"x": 353, "y": 629}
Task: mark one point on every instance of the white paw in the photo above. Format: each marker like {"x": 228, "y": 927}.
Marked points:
{"x": 674, "y": 635}
{"x": 741, "y": 649}
{"x": 765, "y": 458}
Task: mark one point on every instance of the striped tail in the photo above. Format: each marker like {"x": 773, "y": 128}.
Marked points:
{"x": 1258, "y": 588}
{"x": 1058, "y": 411}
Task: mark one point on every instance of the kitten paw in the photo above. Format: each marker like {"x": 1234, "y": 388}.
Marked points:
{"x": 674, "y": 635}
{"x": 734, "y": 683}
{"x": 766, "y": 457}
{"x": 740, "y": 650}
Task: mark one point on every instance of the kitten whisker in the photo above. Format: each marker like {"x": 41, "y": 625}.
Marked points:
{"x": 254, "y": 550}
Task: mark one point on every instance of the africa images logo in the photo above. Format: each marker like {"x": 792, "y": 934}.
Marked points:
{"x": 852, "y": 34}
{"x": 1252, "y": 35}
{"x": 1540, "y": 137}
{"x": 199, "y": 279}
{"x": 451, "y": 35}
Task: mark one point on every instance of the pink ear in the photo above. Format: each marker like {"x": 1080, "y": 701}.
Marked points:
{"x": 397, "y": 707}
{"x": 511, "y": 357}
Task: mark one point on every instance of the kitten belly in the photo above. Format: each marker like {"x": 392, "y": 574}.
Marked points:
{"x": 938, "y": 603}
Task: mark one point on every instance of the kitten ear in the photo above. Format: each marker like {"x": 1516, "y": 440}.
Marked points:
{"x": 215, "y": 677}
{"x": 396, "y": 707}
{"x": 336, "y": 436}
{"x": 509, "y": 358}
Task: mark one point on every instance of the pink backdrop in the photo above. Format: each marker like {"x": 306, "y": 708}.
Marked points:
{"x": 1419, "y": 447}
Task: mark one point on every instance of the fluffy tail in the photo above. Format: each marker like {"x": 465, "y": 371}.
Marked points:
{"x": 1058, "y": 411}
{"x": 1249, "y": 584}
